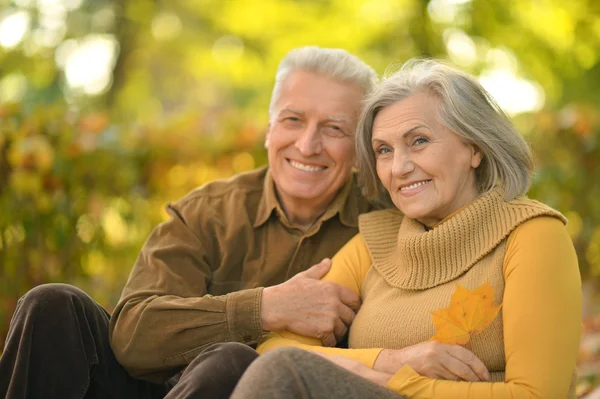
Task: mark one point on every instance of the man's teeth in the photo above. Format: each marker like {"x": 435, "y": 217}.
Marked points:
{"x": 414, "y": 185}
{"x": 306, "y": 168}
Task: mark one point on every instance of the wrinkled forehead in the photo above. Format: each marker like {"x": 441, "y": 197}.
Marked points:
{"x": 314, "y": 94}
{"x": 420, "y": 104}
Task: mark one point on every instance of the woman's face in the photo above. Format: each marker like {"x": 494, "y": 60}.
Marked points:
{"x": 428, "y": 171}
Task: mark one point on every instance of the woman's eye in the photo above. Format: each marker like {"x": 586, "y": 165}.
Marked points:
{"x": 420, "y": 140}
{"x": 382, "y": 150}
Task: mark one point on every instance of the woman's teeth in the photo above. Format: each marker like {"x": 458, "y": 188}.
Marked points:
{"x": 414, "y": 185}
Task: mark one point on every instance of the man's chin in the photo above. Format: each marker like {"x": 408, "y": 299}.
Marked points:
{"x": 306, "y": 190}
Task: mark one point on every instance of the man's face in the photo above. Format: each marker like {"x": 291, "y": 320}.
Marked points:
{"x": 310, "y": 141}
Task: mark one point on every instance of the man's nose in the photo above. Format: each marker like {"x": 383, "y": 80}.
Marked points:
{"x": 309, "y": 142}
{"x": 403, "y": 164}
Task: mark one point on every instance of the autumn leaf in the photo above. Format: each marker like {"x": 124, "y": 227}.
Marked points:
{"x": 470, "y": 312}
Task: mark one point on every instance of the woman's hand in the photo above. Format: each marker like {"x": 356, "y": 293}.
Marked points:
{"x": 356, "y": 367}
{"x": 434, "y": 360}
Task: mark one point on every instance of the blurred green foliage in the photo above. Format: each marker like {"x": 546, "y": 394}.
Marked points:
{"x": 170, "y": 95}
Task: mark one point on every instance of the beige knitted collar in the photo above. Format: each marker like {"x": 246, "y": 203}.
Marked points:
{"x": 409, "y": 257}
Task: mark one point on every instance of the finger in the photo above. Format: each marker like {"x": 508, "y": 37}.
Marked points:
{"x": 349, "y": 298}
{"x": 346, "y": 314}
{"x": 458, "y": 369}
{"x": 339, "y": 330}
{"x": 439, "y": 373}
{"x": 317, "y": 271}
{"x": 329, "y": 340}
{"x": 436, "y": 370}
{"x": 469, "y": 358}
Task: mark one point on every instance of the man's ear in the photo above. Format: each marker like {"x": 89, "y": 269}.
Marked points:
{"x": 267, "y": 137}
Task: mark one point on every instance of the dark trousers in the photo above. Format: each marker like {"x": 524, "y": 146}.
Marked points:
{"x": 58, "y": 347}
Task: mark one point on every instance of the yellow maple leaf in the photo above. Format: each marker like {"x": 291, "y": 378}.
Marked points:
{"x": 470, "y": 312}
{"x": 484, "y": 291}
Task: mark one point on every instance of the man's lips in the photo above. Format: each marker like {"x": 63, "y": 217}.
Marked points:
{"x": 306, "y": 167}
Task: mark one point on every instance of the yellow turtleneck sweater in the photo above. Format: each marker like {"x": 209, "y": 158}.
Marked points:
{"x": 403, "y": 272}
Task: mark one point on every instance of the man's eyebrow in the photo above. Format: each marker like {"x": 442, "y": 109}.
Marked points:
{"x": 301, "y": 113}
{"x": 292, "y": 110}
{"x": 335, "y": 119}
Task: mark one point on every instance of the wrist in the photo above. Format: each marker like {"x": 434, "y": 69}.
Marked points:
{"x": 389, "y": 361}
{"x": 380, "y": 378}
{"x": 267, "y": 321}
{"x": 379, "y": 363}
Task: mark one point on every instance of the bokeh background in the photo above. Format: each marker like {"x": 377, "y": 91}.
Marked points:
{"x": 111, "y": 108}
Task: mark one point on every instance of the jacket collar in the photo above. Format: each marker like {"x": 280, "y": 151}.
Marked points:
{"x": 345, "y": 203}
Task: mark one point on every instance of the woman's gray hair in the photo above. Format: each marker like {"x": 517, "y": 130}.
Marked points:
{"x": 467, "y": 109}
{"x": 334, "y": 63}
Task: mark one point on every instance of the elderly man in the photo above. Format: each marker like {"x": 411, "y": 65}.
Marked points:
{"x": 199, "y": 278}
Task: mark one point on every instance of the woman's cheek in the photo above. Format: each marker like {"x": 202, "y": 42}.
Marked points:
{"x": 384, "y": 173}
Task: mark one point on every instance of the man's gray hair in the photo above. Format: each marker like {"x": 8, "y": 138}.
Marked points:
{"x": 467, "y": 109}
{"x": 334, "y": 63}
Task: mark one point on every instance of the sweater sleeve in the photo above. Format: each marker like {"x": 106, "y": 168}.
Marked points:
{"x": 349, "y": 267}
{"x": 541, "y": 317}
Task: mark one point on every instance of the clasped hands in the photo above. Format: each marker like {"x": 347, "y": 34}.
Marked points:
{"x": 430, "y": 359}
{"x": 308, "y": 306}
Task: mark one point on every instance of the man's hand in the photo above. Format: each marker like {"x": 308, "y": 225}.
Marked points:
{"x": 434, "y": 360}
{"x": 307, "y": 306}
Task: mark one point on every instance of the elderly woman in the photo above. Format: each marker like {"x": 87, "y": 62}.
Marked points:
{"x": 457, "y": 171}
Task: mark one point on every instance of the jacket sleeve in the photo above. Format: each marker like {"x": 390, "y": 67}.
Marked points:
{"x": 349, "y": 267}
{"x": 165, "y": 316}
{"x": 541, "y": 317}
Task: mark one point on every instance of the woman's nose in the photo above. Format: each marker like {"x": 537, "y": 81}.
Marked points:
{"x": 403, "y": 164}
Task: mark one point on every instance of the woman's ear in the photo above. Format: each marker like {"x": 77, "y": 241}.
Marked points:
{"x": 476, "y": 156}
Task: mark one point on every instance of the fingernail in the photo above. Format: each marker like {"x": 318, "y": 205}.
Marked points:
{"x": 486, "y": 375}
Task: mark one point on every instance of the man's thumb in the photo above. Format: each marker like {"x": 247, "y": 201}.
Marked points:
{"x": 319, "y": 270}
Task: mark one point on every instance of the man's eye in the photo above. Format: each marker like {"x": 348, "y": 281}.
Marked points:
{"x": 334, "y": 131}
{"x": 291, "y": 122}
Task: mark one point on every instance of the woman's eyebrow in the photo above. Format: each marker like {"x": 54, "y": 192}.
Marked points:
{"x": 404, "y": 135}
{"x": 411, "y": 130}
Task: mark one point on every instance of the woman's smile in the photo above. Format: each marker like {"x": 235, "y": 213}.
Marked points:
{"x": 414, "y": 188}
